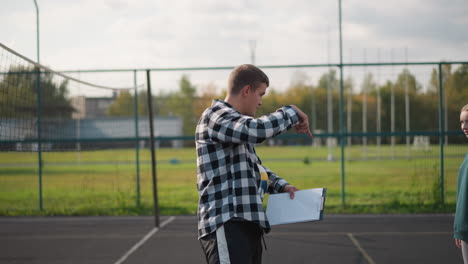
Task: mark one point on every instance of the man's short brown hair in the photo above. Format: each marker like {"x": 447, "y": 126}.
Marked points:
{"x": 246, "y": 74}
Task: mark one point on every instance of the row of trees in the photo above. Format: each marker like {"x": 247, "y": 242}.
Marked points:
{"x": 18, "y": 98}
{"x": 18, "y": 94}
{"x": 188, "y": 104}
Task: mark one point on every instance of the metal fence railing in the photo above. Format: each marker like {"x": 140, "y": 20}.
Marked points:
{"x": 386, "y": 135}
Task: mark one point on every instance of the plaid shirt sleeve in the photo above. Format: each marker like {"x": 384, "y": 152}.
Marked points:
{"x": 224, "y": 124}
{"x": 276, "y": 183}
{"x": 228, "y": 179}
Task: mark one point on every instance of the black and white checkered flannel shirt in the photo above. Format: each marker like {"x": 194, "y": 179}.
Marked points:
{"x": 228, "y": 177}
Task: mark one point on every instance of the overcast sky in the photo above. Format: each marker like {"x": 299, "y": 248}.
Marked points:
{"x": 124, "y": 34}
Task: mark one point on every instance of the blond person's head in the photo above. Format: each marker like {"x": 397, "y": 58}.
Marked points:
{"x": 464, "y": 119}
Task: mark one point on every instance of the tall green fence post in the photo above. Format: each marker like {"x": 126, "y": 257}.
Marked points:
{"x": 39, "y": 133}
{"x": 137, "y": 140}
{"x": 153, "y": 151}
{"x": 441, "y": 134}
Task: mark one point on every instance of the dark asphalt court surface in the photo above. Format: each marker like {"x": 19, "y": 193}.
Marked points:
{"x": 133, "y": 240}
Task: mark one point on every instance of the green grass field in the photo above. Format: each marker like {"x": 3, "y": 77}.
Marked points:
{"x": 104, "y": 182}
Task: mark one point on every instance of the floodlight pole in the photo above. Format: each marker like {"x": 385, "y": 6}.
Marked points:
{"x": 37, "y": 31}
{"x": 38, "y": 109}
{"x": 342, "y": 128}
{"x": 153, "y": 151}
{"x": 253, "y": 44}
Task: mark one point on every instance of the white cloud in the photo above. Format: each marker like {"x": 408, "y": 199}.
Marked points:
{"x": 85, "y": 34}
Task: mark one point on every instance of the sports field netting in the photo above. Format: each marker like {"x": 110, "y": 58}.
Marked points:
{"x": 84, "y": 148}
{"x": 49, "y": 137}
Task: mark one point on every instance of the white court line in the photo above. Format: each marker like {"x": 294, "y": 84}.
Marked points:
{"x": 401, "y": 233}
{"x": 363, "y": 252}
{"x": 143, "y": 240}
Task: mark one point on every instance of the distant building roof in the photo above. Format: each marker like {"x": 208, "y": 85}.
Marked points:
{"x": 91, "y": 107}
{"x": 115, "y": 127}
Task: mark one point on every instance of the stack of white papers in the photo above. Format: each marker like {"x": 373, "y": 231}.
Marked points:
{"x": 307, "y": 205}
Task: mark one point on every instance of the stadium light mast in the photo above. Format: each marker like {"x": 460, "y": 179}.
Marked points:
{"x": 342, "y": 128}
{"x": 253, "y": 45}
{"x": 37, "y": 32}
{"x": 329, "y": 103}
{"x": 38, "y": 109}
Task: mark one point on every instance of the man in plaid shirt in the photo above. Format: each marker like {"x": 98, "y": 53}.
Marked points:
{"x": 231, "y": 218}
